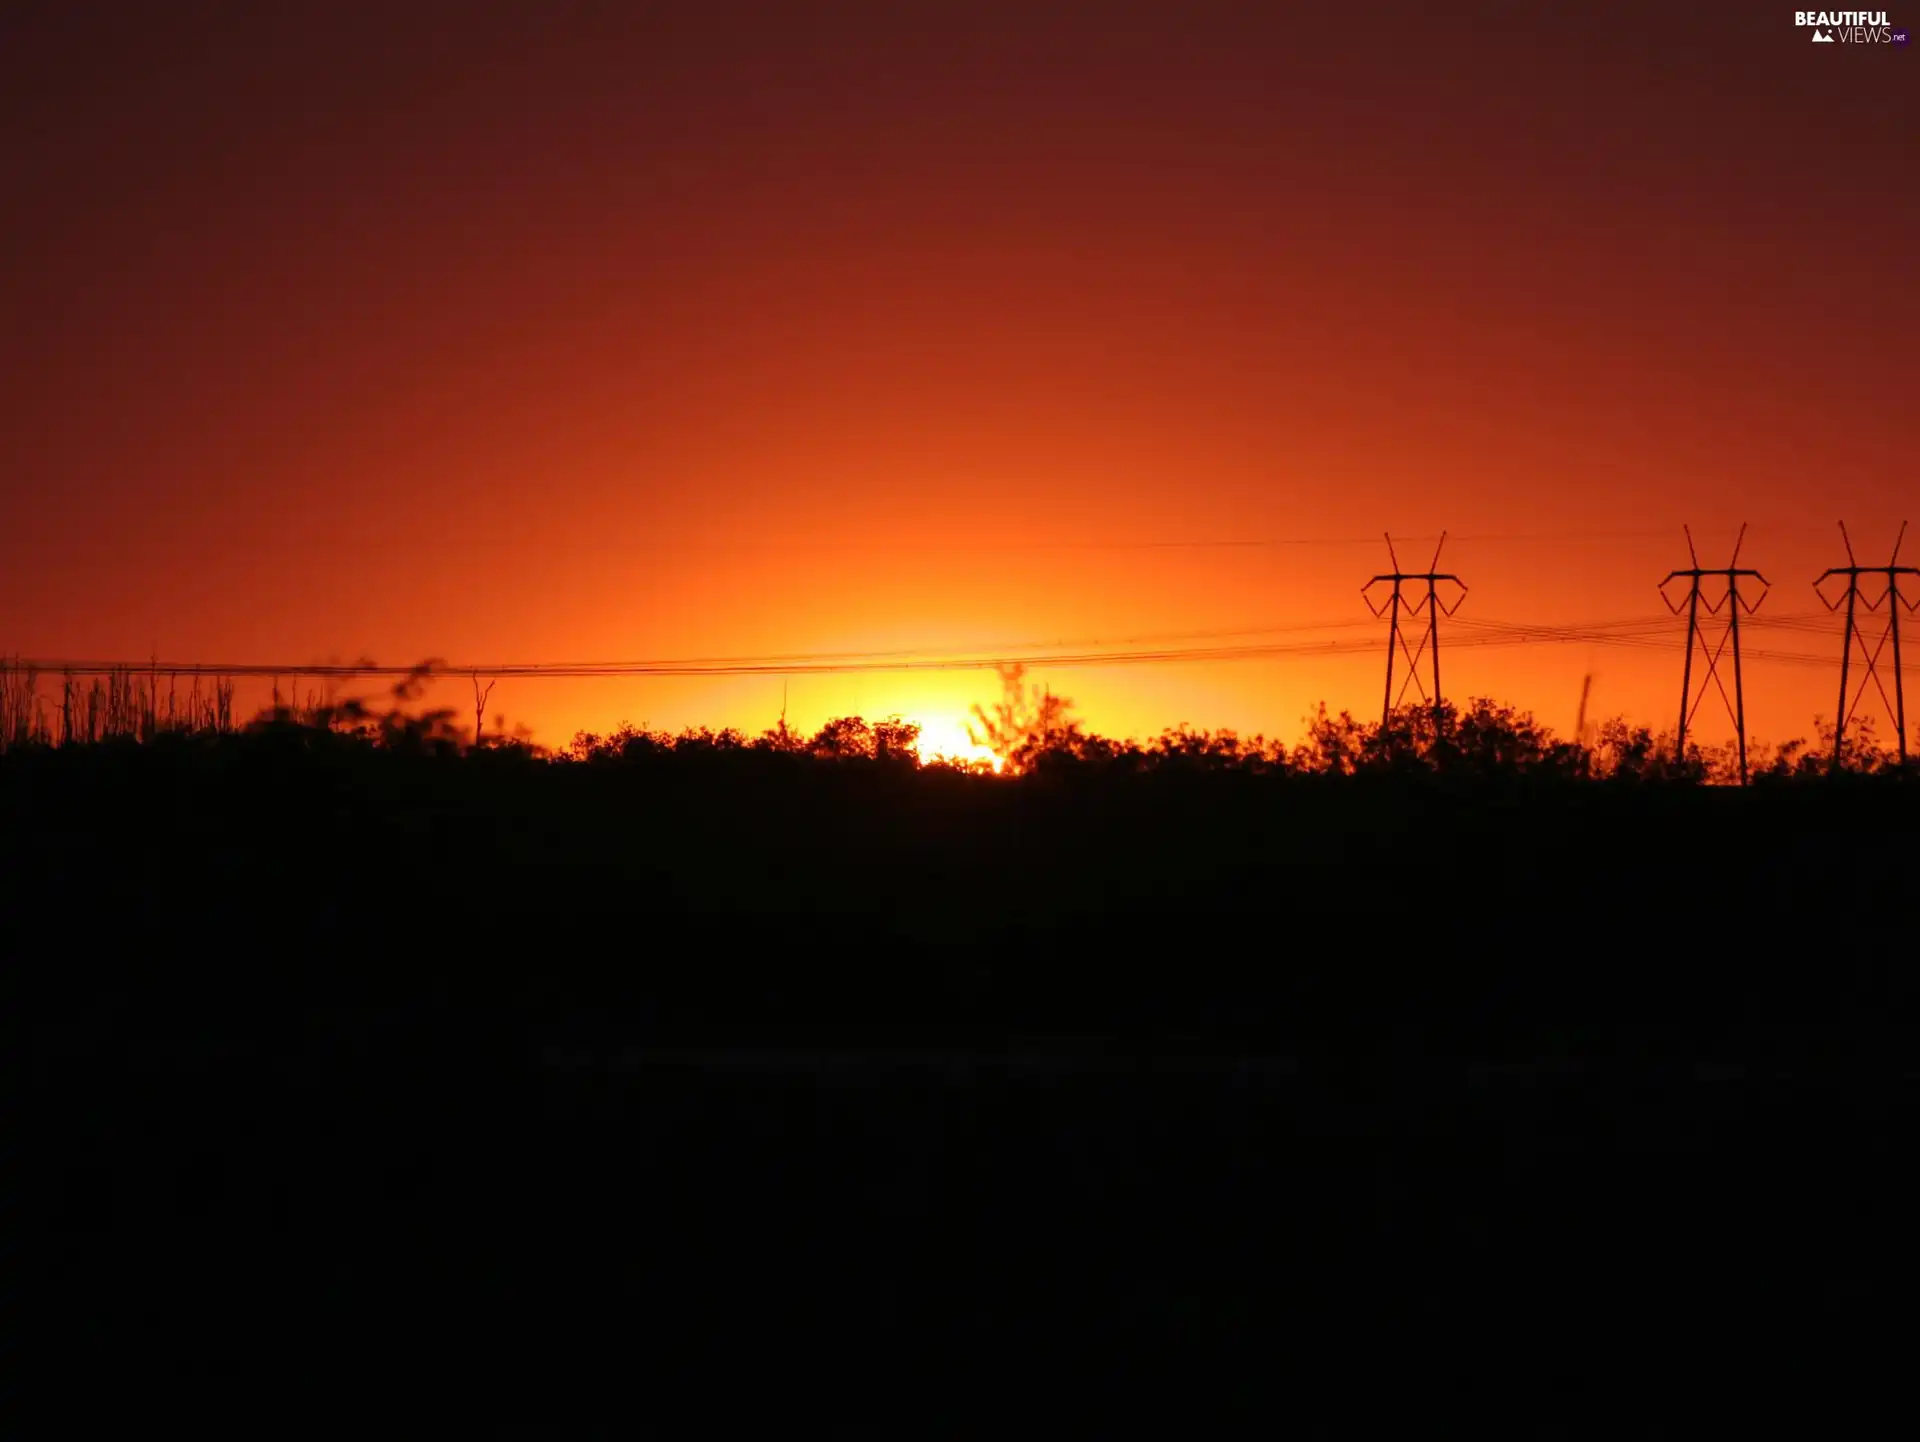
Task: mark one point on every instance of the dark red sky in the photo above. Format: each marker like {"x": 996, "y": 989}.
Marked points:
{"x": 568, "y": 331}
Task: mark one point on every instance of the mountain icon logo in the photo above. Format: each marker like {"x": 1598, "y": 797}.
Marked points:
{"x": 1820, "y": 37}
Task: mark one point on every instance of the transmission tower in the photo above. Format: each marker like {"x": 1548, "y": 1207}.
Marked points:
{"x": 1734, "y": 602}
{"x": 1853, "y": 571}
{"x": 1425, "y": 603}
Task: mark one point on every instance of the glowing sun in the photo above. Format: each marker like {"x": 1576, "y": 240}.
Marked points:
{"x": 942, "y": 737}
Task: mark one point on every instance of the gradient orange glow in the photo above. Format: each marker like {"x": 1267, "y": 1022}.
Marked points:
{"x": 510, "y": 333}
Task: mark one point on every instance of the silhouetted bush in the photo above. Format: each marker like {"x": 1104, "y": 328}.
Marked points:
{"x": 1031, "y": 732}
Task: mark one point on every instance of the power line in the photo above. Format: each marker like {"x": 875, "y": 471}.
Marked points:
{"x": 1161, "y": 544}
{"x": 1632, "y": 634}
{"x": 1653, "y": 632}
{"x": 990, "y": 649}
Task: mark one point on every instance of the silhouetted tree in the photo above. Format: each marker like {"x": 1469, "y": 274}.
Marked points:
{"x": 1025, "y": 723}
{"x": 895, "y": 741}
{"x": 844, "y": 736}
{"x": 480, "y": 711}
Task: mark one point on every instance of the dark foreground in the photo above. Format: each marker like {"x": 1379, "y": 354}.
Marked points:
{"x": 1582, "y": 1110}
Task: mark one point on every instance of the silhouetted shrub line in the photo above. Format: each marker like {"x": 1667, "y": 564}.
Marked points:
{"x": 1467, "y": 879}
{"x": 1031, "y": 734}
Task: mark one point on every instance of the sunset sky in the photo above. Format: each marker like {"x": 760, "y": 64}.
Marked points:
{"x": 563, "y": 331}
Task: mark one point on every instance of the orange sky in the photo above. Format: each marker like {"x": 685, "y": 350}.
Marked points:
{"x": 561, "y": 331}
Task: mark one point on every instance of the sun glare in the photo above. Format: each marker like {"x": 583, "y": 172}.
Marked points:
{"x": 942, "y": 737}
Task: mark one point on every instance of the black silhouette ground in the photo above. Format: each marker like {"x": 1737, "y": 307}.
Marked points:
{"x": 553, "y": 1089}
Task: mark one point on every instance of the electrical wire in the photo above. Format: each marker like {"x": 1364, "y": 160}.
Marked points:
{"x": 1656, "y": 633}
{"x": 1220, "y": 543}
